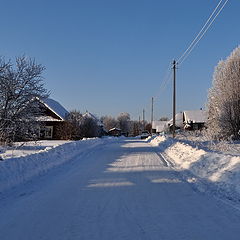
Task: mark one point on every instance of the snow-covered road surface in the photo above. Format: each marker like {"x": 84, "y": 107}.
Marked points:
{"x": 122, "y": 190}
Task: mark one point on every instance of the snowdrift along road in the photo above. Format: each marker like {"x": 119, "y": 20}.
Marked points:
{"x": 122, "y": 190}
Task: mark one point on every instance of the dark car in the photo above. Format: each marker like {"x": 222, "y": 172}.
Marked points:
{"x": 145, "y": 134}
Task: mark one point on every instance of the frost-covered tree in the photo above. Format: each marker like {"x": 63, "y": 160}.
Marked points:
{"x": 78, "y": 126}
{"x": 89, "y": 128}
{"x": 109, "y": 122}
{"x": 224, "y": 99}
{"x": 72, "y": 127}
{"x": 134, "y": 128}
{"x": 123, "y": 121}
{"x": 20, "y": 83}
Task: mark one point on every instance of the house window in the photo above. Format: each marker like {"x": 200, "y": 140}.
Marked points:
{"x": 48, "y": 132}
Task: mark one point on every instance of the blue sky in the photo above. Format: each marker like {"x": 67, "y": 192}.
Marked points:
{"x": 110, "y": 56}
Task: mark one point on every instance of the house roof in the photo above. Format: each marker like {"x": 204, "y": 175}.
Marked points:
{"x": 55, "y": 107}
{"x": 156, "y": 124}
{"x": 159, "y": 125}
{"x": 112, "y": 129}
{"x": 178, "y": 120}
{"x": 47, "y": 119}
{"x": 195, "y": 116}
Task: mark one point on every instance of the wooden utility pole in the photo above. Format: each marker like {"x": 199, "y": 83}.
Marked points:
{"x": 174, "y": 99}
{"x": 152, "y": 116}
{"x": 143, "y": 119}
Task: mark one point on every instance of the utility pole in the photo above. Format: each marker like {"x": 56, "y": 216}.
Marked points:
{"x": 139, "y": 125}
{"x": 143, "y": 119}
{"x": 152, "y": 116}
{"x": 174, "y": 98}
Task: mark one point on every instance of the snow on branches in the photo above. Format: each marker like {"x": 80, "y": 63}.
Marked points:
{"x": 224, "y": 99}
{"x": 20, "y": 83}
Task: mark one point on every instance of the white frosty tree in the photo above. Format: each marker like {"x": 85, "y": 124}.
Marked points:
{"x": 224, "y": 99}
{"x": 109, "y": 122}
{"x": 123, "y": 121}
{"x": 20, "y": 84}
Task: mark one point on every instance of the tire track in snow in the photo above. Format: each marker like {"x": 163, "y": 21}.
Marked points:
{"x": 165, "y": 162}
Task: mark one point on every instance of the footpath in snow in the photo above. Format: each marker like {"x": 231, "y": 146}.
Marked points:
{"x": 23, "y": 162}
{"x": 215, "y": 172}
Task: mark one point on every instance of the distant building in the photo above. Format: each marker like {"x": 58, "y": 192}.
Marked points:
{"x": 178, "y": 122}
{"x": 189, "y": 120}
{"x": 115, "y": 132}
{"x": 194, "y": 120}
{"x": 159, "y": 126}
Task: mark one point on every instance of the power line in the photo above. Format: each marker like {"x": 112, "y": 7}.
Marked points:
{"x": 202, "y": 32}
{"x": 163, "y": 85}
{"x": 164, "y": 82}
{"x": 192, "y": 45}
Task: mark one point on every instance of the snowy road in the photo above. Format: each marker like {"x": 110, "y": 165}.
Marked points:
{"x": 122, "y": 190}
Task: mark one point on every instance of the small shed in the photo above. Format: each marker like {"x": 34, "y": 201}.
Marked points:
{"x": 115, "y": 132}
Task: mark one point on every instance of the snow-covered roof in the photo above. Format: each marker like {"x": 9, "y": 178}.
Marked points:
{"x": 90, "y": 115}
{"x": 195, "y": 116}
{"x": 159, "y": 125}
{"x": 112, "y": 129}
{"x": 178, "y": 120}
{"x": 46, "y": 119}
{"x": 156, "y": 124}
{"x": 56, "y": 107}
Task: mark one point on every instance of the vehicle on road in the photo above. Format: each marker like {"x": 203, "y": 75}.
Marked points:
{"x": 145, "y": 134}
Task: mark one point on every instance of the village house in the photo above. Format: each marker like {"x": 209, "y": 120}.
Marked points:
{"x": 194, "y": 120}
{"x": 159, "y": 126}
{"x": 189, "y": 120}
{"x": 115, "y": 132}
{"x": 51, "y": 118}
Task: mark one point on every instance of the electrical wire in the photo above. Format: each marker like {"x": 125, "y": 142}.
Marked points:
{"x": 192, "y": 45}
{"x": 162, "y": 87}
{"x": 202, "y": 32}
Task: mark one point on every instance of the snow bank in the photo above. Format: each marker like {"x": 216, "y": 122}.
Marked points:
{"x": 22, "y": 149}
{"x": 221, "y": 172}
{"x": 16, "y": 170}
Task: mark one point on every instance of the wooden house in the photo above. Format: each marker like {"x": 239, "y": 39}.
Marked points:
{"x": 115, "y": 132}
{"x": 189, "y": 120}
{"x": 51, "y": 118}
{"x": 194, "y": 120}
